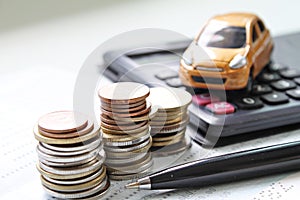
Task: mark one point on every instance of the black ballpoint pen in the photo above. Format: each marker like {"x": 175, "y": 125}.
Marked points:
{"x": 225, "y": 168}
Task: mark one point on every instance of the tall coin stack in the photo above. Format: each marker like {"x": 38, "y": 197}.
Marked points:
{"x": 71, "y": 156}
{"x": 125, "y": 128}
{"x": 169, "y": 124}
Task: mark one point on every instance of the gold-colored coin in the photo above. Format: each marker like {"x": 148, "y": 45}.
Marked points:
{"x": 163, "y": 137}
{"x": 98, "y": 190}
{"x": 166, "y": 143}
{"x": 127, "y": 132}
{"x": 164, "y": 116}
{"x": 44, "y": 139}
{"x": 171, "y": 149}
{"x": 108, "y": 120}
{"x": 64, "y": 177}
{"x": 124, "y": 137}
{"x": 167, "y": 122}
{"x": 127, "y": 127}
{"x": 129, "y": 176}
{"x": 123, "y": 93}
{"x": 170, "y": 128}
{"x": 130, "y": 170}
{"x": 62, "y": 122}
{"x": 77, "y": 187}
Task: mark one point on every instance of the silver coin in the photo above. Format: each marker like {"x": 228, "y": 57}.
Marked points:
{"x": 73, "y": 147}
{"x": 77, "y": 195}
{"x": 63, "y": 159}
{"x": 75, "y": 181}
{"x": 127, "y": 143}
{"x": 92, "y": 165}
{"x": 76, "y": 187}
{"x": 68, "y": 153}
{"x": 136, "y": 170}
{"x": 68, "y": 164}
{"x": 124, "y": 177}
{"x": 130, "y": 148}
{"x": 120, "y": 161}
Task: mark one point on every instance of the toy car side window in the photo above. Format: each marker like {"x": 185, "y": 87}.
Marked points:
{"x": 254, "y": 34}
{"x": 261, "y": 26}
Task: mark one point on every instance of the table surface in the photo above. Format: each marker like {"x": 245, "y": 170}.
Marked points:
{"x": 43, "y": 48}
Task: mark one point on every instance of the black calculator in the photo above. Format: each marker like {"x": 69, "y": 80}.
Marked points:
{"x": 273, "y": 102}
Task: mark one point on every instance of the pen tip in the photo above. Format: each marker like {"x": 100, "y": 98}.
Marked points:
{"x": 133, "y": 185}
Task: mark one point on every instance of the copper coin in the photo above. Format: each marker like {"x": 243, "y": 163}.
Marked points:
{"x": 122, "y": 106}
{"x": 123, "y": 93}
{"x": 79, "y": 133}
{"x": 108, "y": 120}
{"x": 62, "y": 122}
{"x": 169, "y": 98}
{"x": 93, "y": 134}
{"x": 125, "y": 109}
{"x": 128, "y": 114}
{"x": 127, "y": 127}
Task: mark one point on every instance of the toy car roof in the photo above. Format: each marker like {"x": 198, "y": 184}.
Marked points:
{"x": 235, "y": 19}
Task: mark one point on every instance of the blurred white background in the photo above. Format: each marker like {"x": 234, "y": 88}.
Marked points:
{"x": 62, "y": 33}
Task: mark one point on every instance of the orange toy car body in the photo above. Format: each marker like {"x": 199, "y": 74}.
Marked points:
{"x": 237, "y": 47}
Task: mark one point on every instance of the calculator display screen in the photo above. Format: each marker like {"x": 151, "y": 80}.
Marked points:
{"x": 157, "y": 57}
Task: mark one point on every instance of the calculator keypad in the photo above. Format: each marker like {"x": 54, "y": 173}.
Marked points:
{"x": 276, "y": 85}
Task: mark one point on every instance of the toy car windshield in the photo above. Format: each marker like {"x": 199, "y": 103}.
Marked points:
{"x": 220, "y": 36}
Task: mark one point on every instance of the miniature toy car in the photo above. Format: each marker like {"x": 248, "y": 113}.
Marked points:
{"x": 237, "y": 47}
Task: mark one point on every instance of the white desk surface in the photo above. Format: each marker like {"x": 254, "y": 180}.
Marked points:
{"x": 39, "y": 63}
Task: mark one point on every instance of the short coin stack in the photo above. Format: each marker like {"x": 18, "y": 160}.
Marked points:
{"x": 71, "y": 156}
{"x": 125, "y": 128}
{"x": 169, "y": 124}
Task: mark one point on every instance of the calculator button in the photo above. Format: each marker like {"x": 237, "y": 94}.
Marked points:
{"x": 290, "y": 73}
{"x": 204, "y": 99}
{"x": 174, "y": 82}
{"x": 283, "y": 85}
{"x": 163, "y": 75}
{"x": 260, "y": 89}
{"x": 275, "y": 67}
{"x": 297, "y": 80}
{"x": 267, "y": 77}
{"x": 275, "y": 98}
{"x": 220, "y": 108}
{"x": 249, "y": 103}
{"x": 295, "y": 94}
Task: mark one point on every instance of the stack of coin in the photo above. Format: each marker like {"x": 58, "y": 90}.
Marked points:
{"x": 169, "y": 124}
{"x": 71, "y": 156}
{"x": 125, "y": 128}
